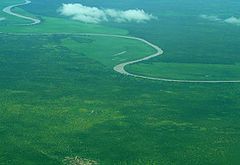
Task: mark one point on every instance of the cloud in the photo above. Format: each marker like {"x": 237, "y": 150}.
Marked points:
{"x": 210, "y": 17}
{"x": 233, "y": 20}
{"x": 230, "y": 20}
{"x": 95, "y": 15}
{"x": 129, "y": 15}
{"x": 2, "y": 18}
{"x": 83, "y": 13}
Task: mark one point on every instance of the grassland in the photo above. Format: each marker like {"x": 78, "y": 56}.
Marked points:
{"x": 57, "y": 103}
{"x": 59, "y": 98}
{"x": 209, "y": 72}
{"x": 52, "y": 25}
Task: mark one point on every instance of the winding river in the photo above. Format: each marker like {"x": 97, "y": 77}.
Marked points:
{"x": 120, "y": 68}
{"x": 8, "y": 10}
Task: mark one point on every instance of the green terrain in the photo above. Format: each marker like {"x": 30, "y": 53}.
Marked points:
{"x": 62, "y": 102}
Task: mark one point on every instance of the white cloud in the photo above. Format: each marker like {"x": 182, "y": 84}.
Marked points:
{"x": 230, "y": 20}
{"x": 2, "y": 18}
{"x": 129, "y": 15}
{"x": 83, "y": 13}
{"x": 210, "y": 17}
{"x": 95, "y": 15}
{"x": 233, "y": 20}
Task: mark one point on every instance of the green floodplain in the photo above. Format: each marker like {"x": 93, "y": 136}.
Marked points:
{"x": 61, "y": 100}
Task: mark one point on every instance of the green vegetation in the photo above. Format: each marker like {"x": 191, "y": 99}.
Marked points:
{"x": 98, "y": 49}
{"x": 57, "y": 103}
{"x": 61, "y": 102}
{"x": 59, "y": 25}
{"x": 187, "y": 71}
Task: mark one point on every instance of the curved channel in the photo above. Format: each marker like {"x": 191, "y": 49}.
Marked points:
{"x": 9, "y": 11}
{"x": 120, "y": 68}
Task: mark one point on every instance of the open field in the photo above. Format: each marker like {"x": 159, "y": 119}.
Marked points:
{"x": 204, "y": 72}
{"x": 61, "y": 101}
{"x": 68, "y": 104}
